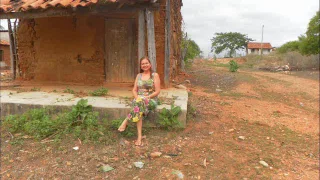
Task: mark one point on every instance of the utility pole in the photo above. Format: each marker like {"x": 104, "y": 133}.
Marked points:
{"x": 261, "y": 43}
{"x": 247, "y": 44}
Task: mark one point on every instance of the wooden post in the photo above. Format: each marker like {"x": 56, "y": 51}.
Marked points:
{"x": 16, "y": 57}
{"x": 141, "y": 37}
{"x": 151, "y": 39}
{"x": 12, "y": 50}
{"x": 167, "y": 45}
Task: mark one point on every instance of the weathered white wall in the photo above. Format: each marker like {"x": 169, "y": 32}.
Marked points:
{"x": 265, "y": 51}
{"x": 4, "y": 36}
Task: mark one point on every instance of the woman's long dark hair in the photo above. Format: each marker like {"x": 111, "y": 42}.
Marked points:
{"x": 147, "y": 58}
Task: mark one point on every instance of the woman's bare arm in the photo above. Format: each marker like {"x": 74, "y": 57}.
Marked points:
{"x": 156, "y": 86}
{"x": 135, "y": 88}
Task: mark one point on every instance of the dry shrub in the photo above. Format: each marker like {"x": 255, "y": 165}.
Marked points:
{"x": 295, "y": 60}
{"x": 271, "y": 60}
{"x": 300, "y": 62}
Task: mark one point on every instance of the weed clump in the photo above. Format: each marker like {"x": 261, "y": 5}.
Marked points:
{"x": 168, "y": 119}
{"x": 233, "y": 66}
{"x": 68, "y": 90}
{"x": 81, "y": 122}
{"x": 35, "y": 89}
{"x": 100, "y": 92}
{"x": 36, "y": 123}
{"x": 130, "y": 130}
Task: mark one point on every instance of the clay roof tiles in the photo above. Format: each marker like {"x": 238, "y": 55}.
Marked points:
{"x": 3, "y": 42}
{"x": 9, "y": 6}
{"x": 257, "y": 45}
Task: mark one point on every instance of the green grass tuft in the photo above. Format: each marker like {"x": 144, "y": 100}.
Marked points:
{"x": 100, "y": 92}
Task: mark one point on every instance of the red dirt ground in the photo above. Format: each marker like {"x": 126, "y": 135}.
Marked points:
{"x": 278, "y": 115}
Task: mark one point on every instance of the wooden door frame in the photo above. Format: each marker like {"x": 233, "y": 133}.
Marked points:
{"x": 134, "y": 49}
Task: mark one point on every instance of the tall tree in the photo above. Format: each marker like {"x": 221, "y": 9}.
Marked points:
{"x": 230, "y": 41}
{"x": 193, "y": 50}
{"x": 190, "y": 48}
{"x": 289, "y": 46}
{"x": 310, "y": 43}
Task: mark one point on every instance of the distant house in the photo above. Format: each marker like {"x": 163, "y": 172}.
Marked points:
{"x": 4, "y": 50}
{"x": 255, "y": 48}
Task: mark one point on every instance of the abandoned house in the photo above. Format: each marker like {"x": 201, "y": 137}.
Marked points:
{"x": 94, "y": 41}
{"x": 255, "y": 48}
{"x": 4, "y": 50}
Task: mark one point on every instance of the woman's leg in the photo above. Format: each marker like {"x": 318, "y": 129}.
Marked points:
{"x": 123, "y": 125}
{"x": 139, "y": 129}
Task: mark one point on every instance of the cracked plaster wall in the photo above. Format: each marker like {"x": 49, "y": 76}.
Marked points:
{"x": 62, "y": 49}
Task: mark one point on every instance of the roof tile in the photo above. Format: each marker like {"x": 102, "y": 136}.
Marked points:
{"x": 10, "y": 6}
{"x": 257, "y": 45}
{"x": 3, "y": 42}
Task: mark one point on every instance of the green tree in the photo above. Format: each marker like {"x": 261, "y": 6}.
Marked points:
{"x": 289, "y": 46}
{"x": 190, "y": 48}
{"x": 230, "y": 41}
{"x": 193, "y": 50}
{"x": 310, "y": 42}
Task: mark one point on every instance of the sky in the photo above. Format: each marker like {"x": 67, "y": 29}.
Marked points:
{"x": 283, "y": 20}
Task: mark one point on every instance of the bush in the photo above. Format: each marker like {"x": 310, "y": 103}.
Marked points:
{"x": 289, "y": 46}
{"x": 81, "y": 122}
{"x": 36, "y": 123}
{"x": 233, "y": 66}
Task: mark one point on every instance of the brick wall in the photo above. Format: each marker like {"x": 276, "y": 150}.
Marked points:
{"x": 176, "y": 33}
{"x": 6, "y": 55}
{"x": 176, "y": 37}
{"x": 62, "y": 49}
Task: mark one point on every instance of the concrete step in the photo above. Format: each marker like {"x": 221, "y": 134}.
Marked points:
{"x": 111, "y": 108}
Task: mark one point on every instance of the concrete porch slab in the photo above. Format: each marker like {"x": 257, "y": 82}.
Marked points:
{"x": 114, "y": 107}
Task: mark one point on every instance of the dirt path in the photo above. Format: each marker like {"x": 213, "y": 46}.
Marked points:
{"x": 297, "y": 84}
{"x": 283, "y": 99}
{"x": 235, "y": 120}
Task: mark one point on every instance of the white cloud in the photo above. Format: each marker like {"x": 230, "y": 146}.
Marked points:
{"x": 283, "y": 20}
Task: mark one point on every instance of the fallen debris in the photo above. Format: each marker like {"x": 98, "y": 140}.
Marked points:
{"x": 178, "y": 173}
{"x": 155, "y": 154}
{"x": 263, "y": 163}
{"x": 138, "y": 164}
{"x": 241, "y": 137}
{"x": 106, "y": 168}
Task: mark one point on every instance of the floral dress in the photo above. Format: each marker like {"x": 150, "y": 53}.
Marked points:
{"x": 141, "y": 105}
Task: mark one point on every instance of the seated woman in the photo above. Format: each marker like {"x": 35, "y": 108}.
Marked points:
{"x": 145, "y": 91}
